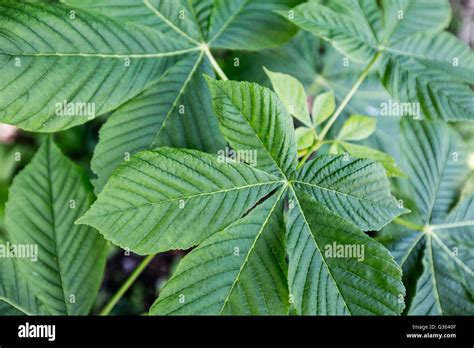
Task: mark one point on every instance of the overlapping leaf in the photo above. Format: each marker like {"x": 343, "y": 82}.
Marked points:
{"x": 61, "y": 276}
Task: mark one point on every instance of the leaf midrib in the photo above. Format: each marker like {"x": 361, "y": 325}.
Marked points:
{"x": 319, "y": 250}
{"x": 103, "y": 55}
{"x": 227, "y": 23}
{"x": 53, "y": 225}
{"x": 257, "y": 237}
{"x": 15, "y": 305}
{"x": 141, "y": 206}
{"x": 178, "y": 96}
{"x": 338, "y": 192}
{"x": 255, "y": 133}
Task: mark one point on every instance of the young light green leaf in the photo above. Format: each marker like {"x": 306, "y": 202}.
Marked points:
{"x": 357, "y": 127}
{"x": 160, "y": 195}
{"x": 243, "y": 265}
{"x": 245, "y": 112}
{"x": 356, "y": 189}
{"x": 363, "y": 279}
{"x": 67, "y": 262}
{"x": 361, "y": 151}
{"x": 335, "y": 149}
{"x": 291, "y": 92}
{"x": 305, "y": 137}
{"x": 323, "y": 107}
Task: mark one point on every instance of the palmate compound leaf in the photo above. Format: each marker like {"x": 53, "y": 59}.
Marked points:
{"x": 418, "y": 63}
{"x": 437, "y": 258}
{"x": 161, "y": 195}
{"x": 240, "y": 270}
{"x": 334, "y": 267}
{"x": 48, "y": 59}
{"x": 62, "y": 271}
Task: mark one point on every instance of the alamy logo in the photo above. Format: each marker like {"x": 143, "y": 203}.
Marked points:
{"x": 19, "y": 251}
{"x": 75, "y": 109}
{"x": 393, "y": 108}
{"x": 238, "y": 156}
{"x": 345, "y": 251}
{"x": 37, "y": 331}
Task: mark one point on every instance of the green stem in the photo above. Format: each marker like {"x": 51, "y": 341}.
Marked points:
{"x": 317, "y": 144}
{"x": 214, "y": 63}
{"x": 123, "y": 289}
{"x": 408, "y": 224}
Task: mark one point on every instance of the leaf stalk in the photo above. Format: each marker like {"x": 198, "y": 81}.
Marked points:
{"x": 125, "y": 286}
{"x": 320, "y": 141}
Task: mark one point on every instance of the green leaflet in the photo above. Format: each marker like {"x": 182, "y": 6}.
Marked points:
{"x": 418, "y": 65}
{"x": 45, "y": 200}
{"x": 435, "y": 158}
{"x": 174, "y": 187}
{"x": 346, "y": 33}
{"x": 324, "y": 106}
{"x": 305, "y": 137}
{"x": 437, "y": 250}
{"x": 357, "y": 127}
{"x": 238, "y": 271}
{"x": 363, "y": 282}
{"x": 355, "y": 189}
{"x": 292, "y": 94}
{"x": 434, "y": 70}
{"x": 252, "y": 118}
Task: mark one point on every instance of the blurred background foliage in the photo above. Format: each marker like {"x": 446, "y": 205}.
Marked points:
{"x": 315, "y": 64}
